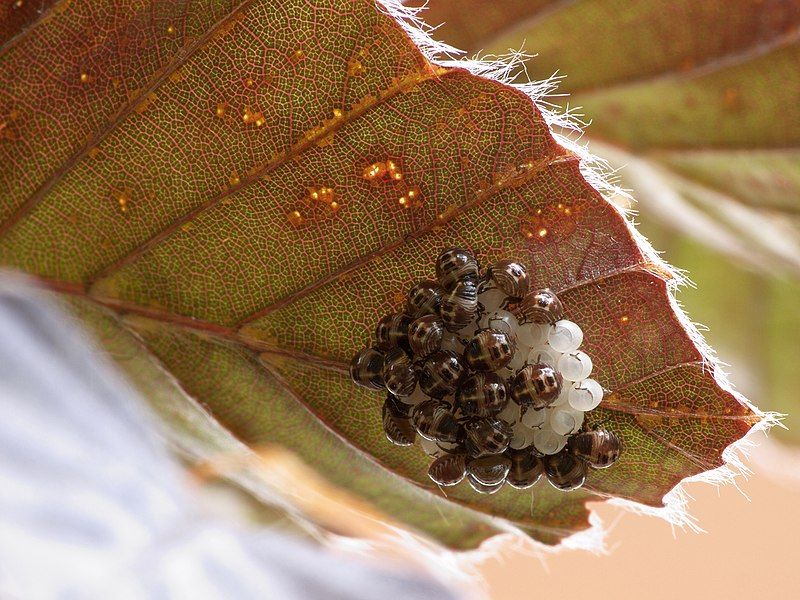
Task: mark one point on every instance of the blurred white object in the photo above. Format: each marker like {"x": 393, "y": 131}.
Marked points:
{"x": 92, "y": 505}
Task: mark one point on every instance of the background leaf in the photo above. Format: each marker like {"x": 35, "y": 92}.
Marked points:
{"x": 154, "y": 155}
{"x": 698, "y": 101}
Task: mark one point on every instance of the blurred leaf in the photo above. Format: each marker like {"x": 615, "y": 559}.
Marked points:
{"x": 154, "y": 156}
{"x": 700, "y": 103}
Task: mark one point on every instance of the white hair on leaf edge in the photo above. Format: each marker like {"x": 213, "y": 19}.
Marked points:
{"x": 567, "y": 127}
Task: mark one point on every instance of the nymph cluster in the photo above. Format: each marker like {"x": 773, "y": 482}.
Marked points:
{"x": 489, "y": 374}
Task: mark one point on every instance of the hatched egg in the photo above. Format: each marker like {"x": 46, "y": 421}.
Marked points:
{"x": 532, "y": 335}
{"x": 436, "y": 449}
{"x": 517, "y": 362}
{"x": 451, "y": 341}
{"x": 563, "y": 397}
{"x": 533, "y": 418}
{"x": 521, "y": 436}
{"x": 547, "y": 441}
{"x": 415, "y": 398}
{"x": 565, "y": 336}
{"x": 503, "y": 320}
{"x": 511, "y": 413}
{"x": 492, "y": 299}
{"x": 585, "y": 395}
{"x": 565, "y": 420}
{"x": 575, "y": 366}
{"x": 544, "y": 355}
{"x": 498, "y": 319}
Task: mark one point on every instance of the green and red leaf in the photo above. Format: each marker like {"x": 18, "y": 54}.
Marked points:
{"x": 154, "y": 155}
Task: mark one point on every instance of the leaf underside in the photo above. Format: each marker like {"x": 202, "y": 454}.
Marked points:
{"x": 152, "y": 153}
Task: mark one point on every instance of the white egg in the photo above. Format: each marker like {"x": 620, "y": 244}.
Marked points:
{"x": 565, "y": 336}
{"x": 532, "y": 335}
{"x": 502, "y": 319}
{"x": 491, "y": 299}
{"x": 517, "y": 362}
{"x": 586, "y": 395}
{"x": 521, "y": 437}
{"x": 575, "y": 366}
{"x": 563, "y": 396}
{"x": 544, "y": 355}
{"x": 533, "y": 418}
{"x": 436, "y": 449}
{"x": 547, "y": 441}
{"x": 565, "y": 420}
{"x": 511, "y": 413}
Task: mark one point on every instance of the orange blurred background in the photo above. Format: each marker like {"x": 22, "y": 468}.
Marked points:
{"x": 748, "y": 548}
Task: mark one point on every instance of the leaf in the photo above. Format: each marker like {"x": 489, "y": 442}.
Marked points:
{"x": 153, "y": 159}
{"x": 702, "y": 119}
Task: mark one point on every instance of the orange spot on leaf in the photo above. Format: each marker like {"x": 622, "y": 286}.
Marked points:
{"x": 295, "y": 218}
{"x": 355, "y": 67}
{"x": 374, "y": 171}
{"x": 549, "y": 224}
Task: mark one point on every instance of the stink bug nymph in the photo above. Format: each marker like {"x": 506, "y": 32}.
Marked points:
{"x": 441, "y": 373}
{"x": 526, "y": 468}
{"x": 540, "y": 306}
{"x": 536, "y": 386}
{"x": 397, "y": 423}
{"x": 460, "y": 305}
{"x": 392, "y": 331}
{"x": 455, "y": 265}
{"x": 481, "y": 395}
{"x": 424, "y": 299}
{"x": 448, "y": 469}
{"x": 434, "y": 421}
{"x": 487, "y": 436}
{"x": 482, "y": 488}
{"x": 399, "y": 376}
{"x": 425, "y": 335}
{"x": 565, "y": 471}
{"x": 489, "y": 470}
{"x": 510, "y": 277}
{"x": 599, "y": 448}
{"x": 366, "y": 369}
{"x": 490, "y": 350}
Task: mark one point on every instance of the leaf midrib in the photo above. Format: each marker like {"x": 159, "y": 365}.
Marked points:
{"x": 265, "y": 351}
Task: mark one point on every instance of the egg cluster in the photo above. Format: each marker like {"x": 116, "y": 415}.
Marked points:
{"x": 489, "y": 374}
